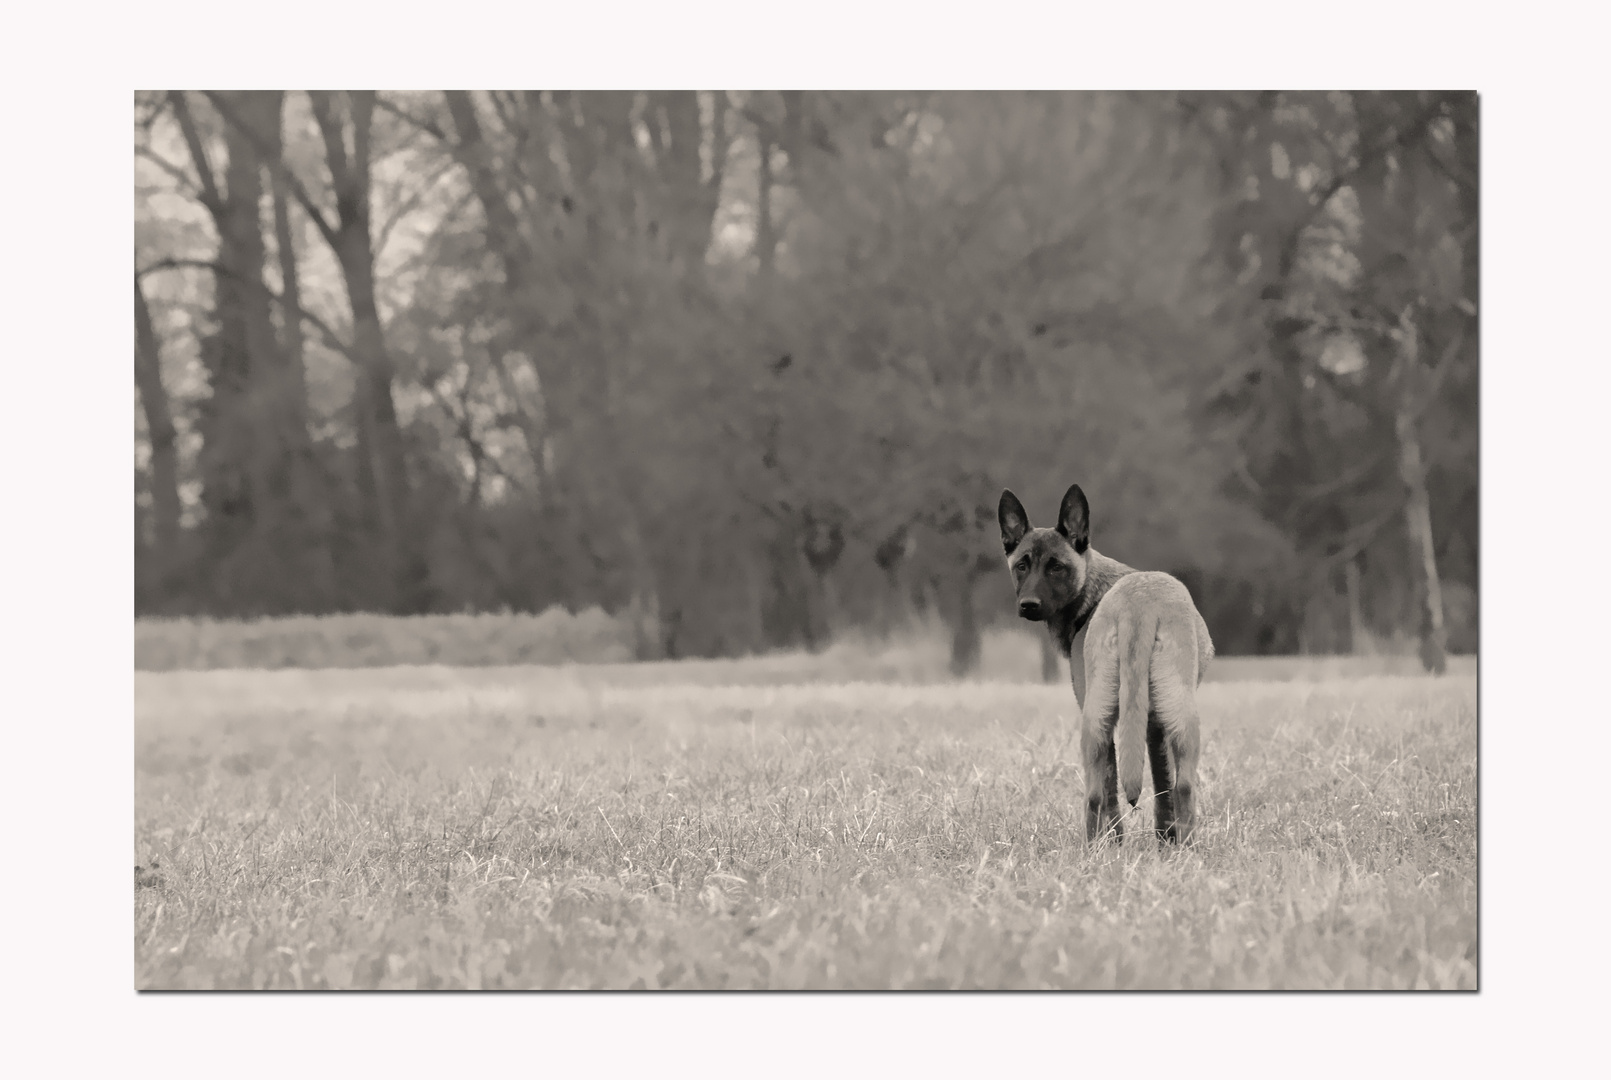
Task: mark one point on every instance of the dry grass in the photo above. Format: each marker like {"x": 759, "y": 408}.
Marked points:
{"x": 920, "y": 653}
{"x": 528, "y": 827}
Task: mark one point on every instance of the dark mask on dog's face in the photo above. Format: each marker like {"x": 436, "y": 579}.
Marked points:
{"x": 1048, "y": 566}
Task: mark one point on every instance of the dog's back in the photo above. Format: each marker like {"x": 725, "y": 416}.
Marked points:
{"x": 1178, "y": 619}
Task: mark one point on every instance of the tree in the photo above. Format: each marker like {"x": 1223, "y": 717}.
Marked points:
{"x": 751, "y": 369}
{"x": 624, "y": 222}
{"x": 255, "y": 460}
{"x": 978, "y": 279}
{"x": 159, "y": 425}
{"x": 1351, "y": 229}
{"x": 383, "y": 481}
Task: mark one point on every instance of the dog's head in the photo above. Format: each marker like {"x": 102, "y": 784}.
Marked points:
{"x": 1048, "y": 566}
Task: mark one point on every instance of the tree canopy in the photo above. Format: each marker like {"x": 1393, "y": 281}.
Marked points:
{"x": 752, "y": 368}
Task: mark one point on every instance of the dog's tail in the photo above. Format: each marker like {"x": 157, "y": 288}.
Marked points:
{"x": 1138, "y": 630}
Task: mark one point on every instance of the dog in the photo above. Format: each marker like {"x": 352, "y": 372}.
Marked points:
{"x": 1145, "y": 648}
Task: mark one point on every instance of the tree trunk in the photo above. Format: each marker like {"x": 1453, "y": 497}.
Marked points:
{"x": 1358, "y": 635}
{"x": 377, "y": 417}
{"x": 159, "y": 424}
{"x": 791, "y": 138}
{"x": 967, "y": 646}
{"x": 296, "y": 394}
{"x": 692, "y": 198}
{"x": 786, "y": 613}
{"x": 823, "y": 607}
{"x": 380, "y": 439}
{"x": 307, "y": 508}
{"x": 268, "y": 517}
{"x": 225, "y": 492}
{"x": 381, "y": 458}
{"x": 237, "y": 422}
{"x": 1418, "y": 519}
{"x": 503, "y": 230}
{"x": 245, "y": 254}
{"x": 822, "y": 542}
{"x": 1418, "y": 506}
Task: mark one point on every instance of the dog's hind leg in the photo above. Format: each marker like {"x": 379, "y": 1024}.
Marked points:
{"x": 1175, "y": 704}
{"x": 1178, "y": 722}
{"x": 1163, "y": 795}
{"x": 1184, "y": 742}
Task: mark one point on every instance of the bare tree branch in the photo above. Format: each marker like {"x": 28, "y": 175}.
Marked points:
{"x": 278, "y": 164}
{"x": 430, "y": 127}
{"x": 1395, "y": 136}
{"x": 155, "y": 106}
{"x": 185, "y": 179}
{"x": 198, "y": 152}
{"x": 330, "y": 336}
{"x": 1346, "y": 479}
{"x": 1358, "y": 538}
{"x": 482, "y": 460}
{"x": 720, "y": 141}
{"x": 361, "y": 106}
{"x": 335, "y": 149}
{"x": 408, "y": 205}
{"x": 506, "y": 117}
{"x": 529, "y": 426}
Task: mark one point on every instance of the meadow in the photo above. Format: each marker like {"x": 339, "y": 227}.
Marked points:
{"x": 852, "y": 820}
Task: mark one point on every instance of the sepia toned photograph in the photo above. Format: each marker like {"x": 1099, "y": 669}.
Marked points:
{"x": 806, "y": 540}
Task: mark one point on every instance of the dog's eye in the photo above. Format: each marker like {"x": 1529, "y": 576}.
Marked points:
{"x": 1054, "y": 567}
{"x": 1022, "y": 567}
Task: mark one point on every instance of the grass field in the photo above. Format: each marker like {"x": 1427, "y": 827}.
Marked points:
{"x": 921, "y": 653}
{"x": 748, "y": 824}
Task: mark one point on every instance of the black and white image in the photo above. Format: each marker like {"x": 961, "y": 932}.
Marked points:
{"x": 806, "y": 540}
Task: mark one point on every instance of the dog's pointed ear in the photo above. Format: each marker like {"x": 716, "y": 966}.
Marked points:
{"x": 1074, "y": 519}
{"x": 1014, "y": 522}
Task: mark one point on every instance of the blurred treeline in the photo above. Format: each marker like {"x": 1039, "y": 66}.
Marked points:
{"x": 750, "y": 369}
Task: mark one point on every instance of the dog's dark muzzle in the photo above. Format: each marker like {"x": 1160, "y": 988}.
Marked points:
{"x": 1031, "y": 609}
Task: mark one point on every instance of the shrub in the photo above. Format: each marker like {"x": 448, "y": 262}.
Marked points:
{"x": 352, "y": 641}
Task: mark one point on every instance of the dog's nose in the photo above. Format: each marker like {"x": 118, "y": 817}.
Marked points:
{"x": 1029, "y": 609}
